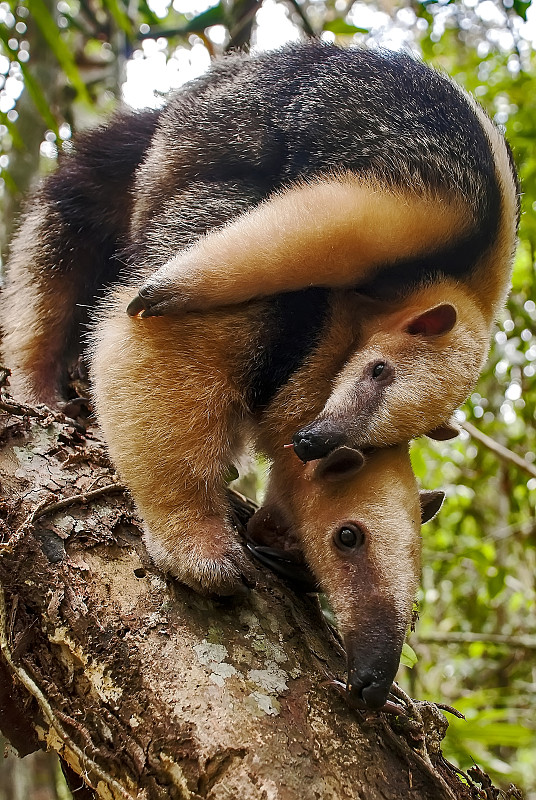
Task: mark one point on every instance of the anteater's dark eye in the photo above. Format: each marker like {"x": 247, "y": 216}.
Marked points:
{"x": 349, "y": 537}
{"x": 377, "y": 369}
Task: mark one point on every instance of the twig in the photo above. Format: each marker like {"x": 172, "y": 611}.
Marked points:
{"x": 84, "y": 497}
{"x": 238, "y": 32}
{"x": 467, "y": 637}
{"x": 410, "y": 704}
{"x": 450, "y": 710}
{"x": 500, "y": 450}
{"x": 45, "y": 507}
{"x": 307, "y": 28}
{"x": 48, "y": 712}
{"x": 84, "y": 733}
{"x": 403, "y": 746}
{"x": 358, "y": 705}
{"x": 20, "y": 410}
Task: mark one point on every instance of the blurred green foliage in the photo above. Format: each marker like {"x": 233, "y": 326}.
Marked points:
{"x": 479, "y": 555}
{"x": 63, "y": 65}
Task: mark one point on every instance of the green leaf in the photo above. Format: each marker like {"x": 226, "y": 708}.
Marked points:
{"x": 35, "y": 92}
{"x": 409, "y": 657}
{"x": 231, "y": 474}
{"x": 521, "y": 7}
{"x": 16, "y": 138}
{"x": 11, "y": 186}
{"x": 39, "y": 99}
{"x": 50, "y": 31}
{"x": 342, "y": 28}
{"x": 212, "y": 16}
{"x": 490, "y": 733}
{"x": 121, "y": 18}
{"x": 147, "y": 14}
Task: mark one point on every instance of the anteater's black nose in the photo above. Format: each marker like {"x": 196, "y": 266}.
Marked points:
{"x": 317, "y": 441}
{"x": 371, "y": 691}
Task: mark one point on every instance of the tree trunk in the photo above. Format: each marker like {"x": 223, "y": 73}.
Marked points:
{"x": 147, "y": 690}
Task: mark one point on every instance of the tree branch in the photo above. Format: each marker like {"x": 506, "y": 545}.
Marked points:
{"x": 147, "y": 690}
{"x": 500, "y": 450}
{"x": 464, "y": 637}
{"x": 46, "y": 507}
{"x": 307, "y": 27}
{"x": 48, "y": 713}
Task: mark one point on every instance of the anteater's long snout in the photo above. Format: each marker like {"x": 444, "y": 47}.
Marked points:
{"x": 373, "y": 660}
{"x": 318, "y": 439}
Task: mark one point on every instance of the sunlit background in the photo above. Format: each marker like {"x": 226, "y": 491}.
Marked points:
{"x": 150, "y": 71}
{"x": 153, "y": 68}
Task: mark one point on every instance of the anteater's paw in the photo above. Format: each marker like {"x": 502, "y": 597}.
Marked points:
{"x": 158, "y": 297}
{"x": 211, "y": 562}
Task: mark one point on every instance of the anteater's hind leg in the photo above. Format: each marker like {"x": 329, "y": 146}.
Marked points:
{"x": 41, "y": 310}
{"x": 65, "y": 252}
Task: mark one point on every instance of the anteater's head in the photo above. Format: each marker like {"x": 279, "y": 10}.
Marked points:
{"x": 357, "y": 521}
{"x": 413, "y": 367}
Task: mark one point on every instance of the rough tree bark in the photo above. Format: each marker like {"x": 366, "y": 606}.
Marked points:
{"x": 146, "y": 690}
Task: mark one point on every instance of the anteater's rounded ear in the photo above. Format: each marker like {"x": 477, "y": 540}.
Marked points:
{"x": 449, "y": 430}
{"x": 431, "y": 502}
{"x": 434, "y": 321}
{"x": 340, "y": 465}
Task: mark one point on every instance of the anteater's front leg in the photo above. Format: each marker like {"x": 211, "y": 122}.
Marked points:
{"x": 169, "y": 400}
{"x": 324, "y": 233}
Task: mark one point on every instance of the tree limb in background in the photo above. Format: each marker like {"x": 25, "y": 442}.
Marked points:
{"x": 500, "y": 450}
{"x": 468, "y": 637}
{"x": 306, "y": 25}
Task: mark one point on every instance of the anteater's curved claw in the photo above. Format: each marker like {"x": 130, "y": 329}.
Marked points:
{"x": 158, "y": 298}
{"x": 297, "y": 574}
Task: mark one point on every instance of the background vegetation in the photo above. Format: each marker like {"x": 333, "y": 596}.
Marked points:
{"x": 64, "y": 64}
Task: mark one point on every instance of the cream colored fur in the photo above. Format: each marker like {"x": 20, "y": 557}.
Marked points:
{"x": 169, "y": 394}
{"x": 331, "y": 232}
{"x": 383, "y": 500}
{"x": 170, "y": 404}
{"x": 337, "y": 232}
{"x": 433, "y": 373}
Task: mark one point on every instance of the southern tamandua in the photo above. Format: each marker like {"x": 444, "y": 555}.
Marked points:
{"x": 176, "y": 400}
{"x": 395, "y": 183}
{"x": 357, "y": 522}
{"x": 174, "y": 419}
{"x": 135, "y": 194}
{"x": 311, "y": 166}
